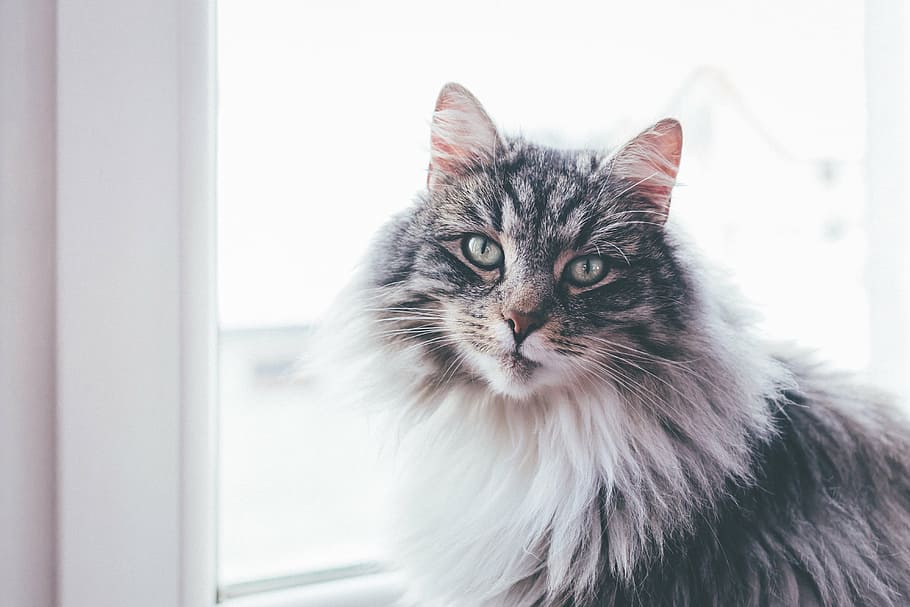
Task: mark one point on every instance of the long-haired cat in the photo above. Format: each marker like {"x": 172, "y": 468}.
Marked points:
{"x": 587, "y": 419}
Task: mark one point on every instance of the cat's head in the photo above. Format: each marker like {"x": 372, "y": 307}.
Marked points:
{"x": 525, "y": 267}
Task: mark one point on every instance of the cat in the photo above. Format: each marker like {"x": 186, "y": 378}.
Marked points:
{"x": 586, "y": 417}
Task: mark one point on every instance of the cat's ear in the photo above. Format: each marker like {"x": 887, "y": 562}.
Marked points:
{"x": 647, "y": 165}
{"x": 462, "y": 135}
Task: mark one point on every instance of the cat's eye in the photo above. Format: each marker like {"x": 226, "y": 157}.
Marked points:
{"x": 586, "y": 270}
{"x": 482, "y": 251}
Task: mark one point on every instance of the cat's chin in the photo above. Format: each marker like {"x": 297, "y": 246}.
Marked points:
{"x": 519, "y": 373}
{"x": 504, "y": 386}
{"x": 513, "y": 375}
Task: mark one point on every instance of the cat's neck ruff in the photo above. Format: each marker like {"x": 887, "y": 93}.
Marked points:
{"x": 504, "y": 501}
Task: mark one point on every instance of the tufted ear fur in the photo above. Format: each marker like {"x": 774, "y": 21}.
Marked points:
{"x": 649, "y": 164}
{"x": 462, "y": 135}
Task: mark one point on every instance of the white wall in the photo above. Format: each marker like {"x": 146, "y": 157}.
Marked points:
{"x": 27, "y": 310}
{"x": 887, "y": 193}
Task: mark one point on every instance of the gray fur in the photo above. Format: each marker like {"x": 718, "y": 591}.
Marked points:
{"x": 672, "y": 459}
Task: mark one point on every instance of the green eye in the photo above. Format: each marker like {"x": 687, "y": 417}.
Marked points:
{"x": 481, "y": 251}
{"x": 586, "y": 270}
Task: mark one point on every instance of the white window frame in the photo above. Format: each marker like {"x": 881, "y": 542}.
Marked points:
{"x": 137, "y": 361}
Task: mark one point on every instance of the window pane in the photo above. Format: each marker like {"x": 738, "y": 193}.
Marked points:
{"x": 324, "y": 111}
{"x": 300, "y": 486}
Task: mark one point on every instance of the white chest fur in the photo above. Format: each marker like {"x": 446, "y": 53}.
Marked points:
{"x": 500, "y": 501}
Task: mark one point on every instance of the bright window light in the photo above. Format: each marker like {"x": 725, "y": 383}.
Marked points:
{"x": 324, "y": 112}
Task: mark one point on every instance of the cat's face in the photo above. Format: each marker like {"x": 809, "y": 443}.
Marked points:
{"x": 530, "y": 268}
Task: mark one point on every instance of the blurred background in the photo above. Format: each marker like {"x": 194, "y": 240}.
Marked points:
{"x": 323, "y": 133}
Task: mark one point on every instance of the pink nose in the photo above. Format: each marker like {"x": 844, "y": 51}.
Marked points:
{"x": 522, "y": 323}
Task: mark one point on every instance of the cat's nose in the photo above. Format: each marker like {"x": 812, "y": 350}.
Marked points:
{"x": 523, "y": 323}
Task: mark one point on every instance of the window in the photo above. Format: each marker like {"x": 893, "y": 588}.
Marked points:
{"x": 134, "y": 471}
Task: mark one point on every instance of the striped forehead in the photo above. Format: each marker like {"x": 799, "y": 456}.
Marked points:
{"x": 545, "y": 208}
{"x": 542, "y": 201}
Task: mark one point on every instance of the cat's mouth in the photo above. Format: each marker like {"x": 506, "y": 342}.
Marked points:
{"x": 517, "y": 361}
{"x": 516, "y": 370}
{"x": 513, "y": 374}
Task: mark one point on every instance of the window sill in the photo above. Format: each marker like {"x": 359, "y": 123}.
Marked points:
{"x": 378, "y": 590}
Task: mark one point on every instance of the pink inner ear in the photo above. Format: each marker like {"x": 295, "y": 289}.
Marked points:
{"x": 462, "y": 134}
{"x": 444, "y": 160}
{"x": 668, "y": 141}
{"x": 447, "y": 156}
{"x": 651, "y": 162}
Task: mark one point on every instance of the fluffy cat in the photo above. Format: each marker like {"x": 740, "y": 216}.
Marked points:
{"x": 586, "y": 419}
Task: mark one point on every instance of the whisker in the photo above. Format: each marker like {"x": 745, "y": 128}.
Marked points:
{"x": 621, "y": 252}
{"x": 613, "y": 226}
{"x": 636, "y": 184}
